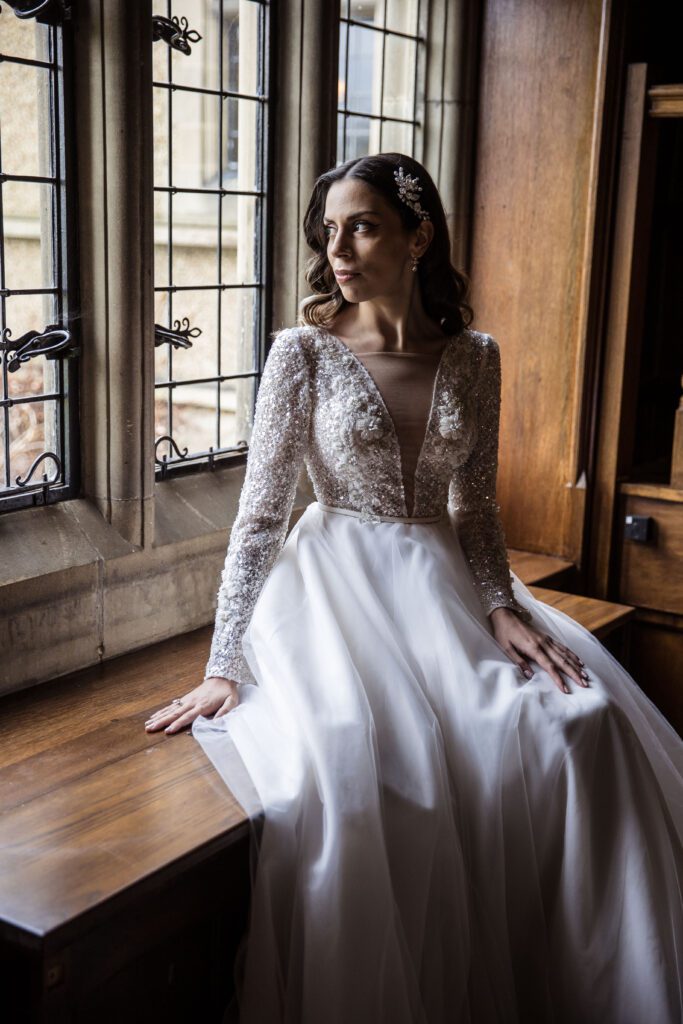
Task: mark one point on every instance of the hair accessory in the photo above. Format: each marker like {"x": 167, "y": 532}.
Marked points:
{"x": 408, "y": 191}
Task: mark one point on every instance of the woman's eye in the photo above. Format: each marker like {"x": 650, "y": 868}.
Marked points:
{"x": 328, "y": 228}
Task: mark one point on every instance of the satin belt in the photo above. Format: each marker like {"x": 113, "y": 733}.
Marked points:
{"x": 372, "y": 516}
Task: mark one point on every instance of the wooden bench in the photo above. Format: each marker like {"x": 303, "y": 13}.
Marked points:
{"x": 545, "y": 570}
{"x": 602, "y": 618}
{"x": 609, "y": 621}
{"x": 124, "y": 861}
{"x": 124, "y": 868}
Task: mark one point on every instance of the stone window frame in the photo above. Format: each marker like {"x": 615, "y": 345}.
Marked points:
{"x": 132, "y": 561}
{"x": 48, "y": 392}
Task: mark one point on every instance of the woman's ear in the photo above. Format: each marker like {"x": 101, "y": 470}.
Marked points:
{"x": 423, "y": 237}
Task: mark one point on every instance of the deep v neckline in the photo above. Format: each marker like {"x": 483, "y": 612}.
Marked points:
{"x": 374, "y": 387}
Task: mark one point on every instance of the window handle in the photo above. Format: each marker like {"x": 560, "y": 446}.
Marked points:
{"x": 175, "y": 33}
{"x": 179, "y": 336}
{"x": 54, "y": 342}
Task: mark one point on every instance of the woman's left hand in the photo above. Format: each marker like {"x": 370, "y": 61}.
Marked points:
{"x": 521, "y": 641}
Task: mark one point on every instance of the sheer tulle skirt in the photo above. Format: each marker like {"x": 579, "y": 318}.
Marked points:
{"x": 441, "y": 839}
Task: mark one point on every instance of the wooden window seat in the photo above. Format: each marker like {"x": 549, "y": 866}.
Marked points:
{"x": 547, "y": 576}
{"x": 124, "y": 861}
{"x": 124, "y": 867}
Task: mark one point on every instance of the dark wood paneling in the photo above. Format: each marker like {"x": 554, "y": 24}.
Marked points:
{"x": 539, "y": 135}
{"x": 628, "y": 277}
{"x": 657, "y": 663}
{"x": 649, "y": 575}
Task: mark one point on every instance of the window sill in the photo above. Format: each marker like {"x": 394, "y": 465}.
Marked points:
{"x": 74, "y": 593}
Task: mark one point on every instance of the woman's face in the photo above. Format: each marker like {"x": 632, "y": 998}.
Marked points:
{"x": 365, "y": 235}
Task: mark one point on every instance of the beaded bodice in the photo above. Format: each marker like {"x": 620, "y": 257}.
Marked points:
{"x": 319, "y": 405}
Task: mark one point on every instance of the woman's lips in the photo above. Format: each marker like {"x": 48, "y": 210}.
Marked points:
{"x": 344, "y": 276}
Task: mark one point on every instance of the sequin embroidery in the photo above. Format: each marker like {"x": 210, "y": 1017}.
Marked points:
{"x": 317, "y": 405}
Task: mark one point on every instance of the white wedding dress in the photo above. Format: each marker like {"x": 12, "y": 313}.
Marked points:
{"x": 438, "y": 838}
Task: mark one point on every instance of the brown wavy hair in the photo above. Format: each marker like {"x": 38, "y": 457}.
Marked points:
{"x": 443, "y": 288}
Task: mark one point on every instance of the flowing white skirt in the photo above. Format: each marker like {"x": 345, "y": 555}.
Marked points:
{"x": 441, "y": 839}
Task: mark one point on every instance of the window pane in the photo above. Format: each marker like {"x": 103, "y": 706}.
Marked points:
{"x": 19, "y": 38}
{"x": 361, "y": 10}
{"x": 377, "y": 78}
{"x": 195, "y": 120}
{"x": 241, "y": 130}
{"x": 239, "y": 310}
{"x": 397, "y": 137}
{"x": 402, "y": 16}
{"x": 195, "y": 237}
{"x": 33, "y": 429}
{"x": 399, "y": 77}
{"x": 200, "y": 310}
{"x": 362, "y": 136}
{"x": 24, "y": 117}
{"x": 239, "y": 234}
{"x": 160, "y": 111}
{"x": 35, "y": 267}
{"x": 28, "y": 220}
{"x": 162, "y": 235}
{"x": 237, "y": 416}
{"x": 208, "y": 244}
{"x": 32, "y": 378}
{"x": 365, "y": 56}
{"x": 201, "y": 17}
{"x": 29, "y": 313}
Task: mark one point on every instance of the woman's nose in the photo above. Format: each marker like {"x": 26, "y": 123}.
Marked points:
{"x": 339, "y": 244}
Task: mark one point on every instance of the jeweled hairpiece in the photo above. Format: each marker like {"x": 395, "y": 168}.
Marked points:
{"x": 408, "y": 190}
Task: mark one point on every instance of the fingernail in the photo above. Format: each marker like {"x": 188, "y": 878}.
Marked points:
{"x": 567, "y": 690}
{"x": 584, "y": 675}
{"x": 528, "y": 673}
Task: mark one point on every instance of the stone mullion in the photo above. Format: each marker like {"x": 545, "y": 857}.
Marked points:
{"x": 113, "y": 58}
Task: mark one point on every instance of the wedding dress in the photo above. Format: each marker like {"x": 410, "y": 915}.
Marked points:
{"x": 439, "y": 838}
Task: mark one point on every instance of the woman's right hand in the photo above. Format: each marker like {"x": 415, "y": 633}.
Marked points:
{"x": 214, "y": 694}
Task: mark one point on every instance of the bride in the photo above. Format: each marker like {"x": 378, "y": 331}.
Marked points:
{"x": 463, "y": 807}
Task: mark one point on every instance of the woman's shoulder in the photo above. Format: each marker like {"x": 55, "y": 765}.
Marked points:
{"x": 287, "y": 357}
{"x": 290, "y": 343}
{"x": 481, "y": 340}
{"x": 297, "y": 337}
{"x": 286, "y": 337}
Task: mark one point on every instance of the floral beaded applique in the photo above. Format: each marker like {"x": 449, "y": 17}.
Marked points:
{"x": 317, "y": 406}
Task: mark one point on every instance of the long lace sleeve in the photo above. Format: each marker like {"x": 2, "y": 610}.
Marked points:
{"x": 472, "y": 495}
{"x": 276, "y": 452}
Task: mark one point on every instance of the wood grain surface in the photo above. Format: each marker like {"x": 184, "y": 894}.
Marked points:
{"x": 600, "y": 617}
{"x": 539, "y": 123}
{"x": 92, "y": 805}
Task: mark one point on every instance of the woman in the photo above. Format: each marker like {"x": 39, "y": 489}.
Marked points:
{"x": 444, "y": 834}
